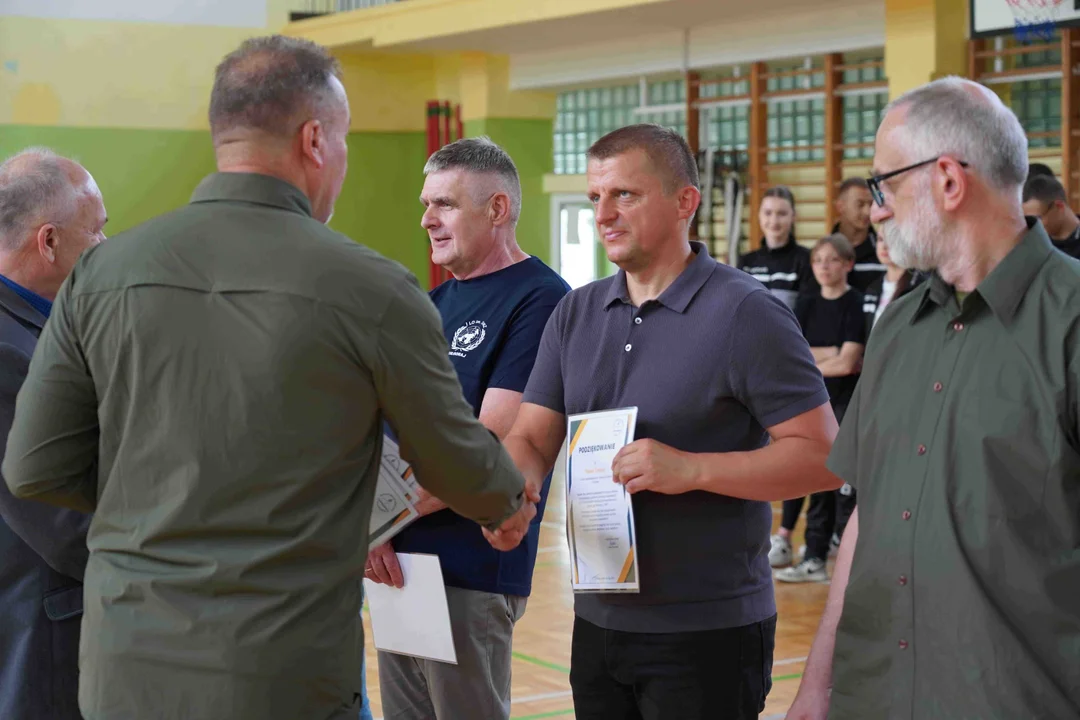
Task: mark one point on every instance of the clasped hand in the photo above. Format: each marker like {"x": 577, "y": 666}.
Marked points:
{"x": 509, "y": 535}
{"x": 651, "y": 465}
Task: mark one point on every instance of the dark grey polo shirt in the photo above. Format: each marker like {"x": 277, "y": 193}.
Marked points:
{"x": 710, "y": 364}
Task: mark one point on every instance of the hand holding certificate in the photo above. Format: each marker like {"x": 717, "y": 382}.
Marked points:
{"x": 599, "y": 516}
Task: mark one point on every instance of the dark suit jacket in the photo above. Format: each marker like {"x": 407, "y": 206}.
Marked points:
{"x": 42, "y": 560}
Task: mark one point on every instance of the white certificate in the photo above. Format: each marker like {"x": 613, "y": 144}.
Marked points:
{"x": 395, "y": 496}
{"x": 599, "y": 516}
{"x": 413, "y": 620}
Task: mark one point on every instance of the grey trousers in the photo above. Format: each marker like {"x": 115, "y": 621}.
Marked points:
{"x": 478, "y": 686}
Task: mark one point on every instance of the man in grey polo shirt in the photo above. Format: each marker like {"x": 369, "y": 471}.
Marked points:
{"x": 716, "y": 367}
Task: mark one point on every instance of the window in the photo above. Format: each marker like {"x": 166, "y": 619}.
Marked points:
{"x": 583, "y": 116}
{"x": 1037, "y": 103}
{"x": 862, "y": 112}
{"x": 795, "y": 124}
{"x": 726, "y": 127}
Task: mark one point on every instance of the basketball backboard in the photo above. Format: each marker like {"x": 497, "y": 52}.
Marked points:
{"x": 1027, "y": 19}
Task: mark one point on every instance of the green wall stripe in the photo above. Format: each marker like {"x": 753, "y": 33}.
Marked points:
{"x": 529, "y": 143}
{"x": 145, "y": 173}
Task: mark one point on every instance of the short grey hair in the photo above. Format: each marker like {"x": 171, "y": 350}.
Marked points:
{"x": 35, "y": 187}
{"x": 968, "y": 121}
{"x": 267, "y": 82}
{"x": 480, "y": 156}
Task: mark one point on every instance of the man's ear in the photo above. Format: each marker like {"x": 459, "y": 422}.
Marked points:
{"x": 313, "y": 142}
{"x": 499, "y": 209}
{"x": 48, "y": 241}
{"x": 689, "y": 199}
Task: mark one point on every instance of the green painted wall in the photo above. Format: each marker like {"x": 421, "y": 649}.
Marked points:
{"x": 529, "y": 143}
{"x": 379, "y": 205}
{"x": 145, "y": 173}
{"x": 141, "y": 173}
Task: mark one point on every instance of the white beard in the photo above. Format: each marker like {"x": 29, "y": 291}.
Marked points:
{"x": 916, "y": 243}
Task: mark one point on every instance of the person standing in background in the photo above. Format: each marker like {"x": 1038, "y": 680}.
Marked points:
{"x": 51, "y": 211}
{"x": 832, "y": 323}
{"x": 852, "y": 205}
{"x": 1044, "y": 198}
{"x": 781, "y": 264}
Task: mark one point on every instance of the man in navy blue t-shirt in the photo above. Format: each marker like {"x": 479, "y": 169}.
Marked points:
{"x": 494, "y": 311}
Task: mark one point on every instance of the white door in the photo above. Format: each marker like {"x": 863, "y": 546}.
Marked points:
{"x": 574, "y": 241}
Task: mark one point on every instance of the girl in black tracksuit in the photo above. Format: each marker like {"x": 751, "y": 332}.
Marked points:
{"x": 781, "y": 264}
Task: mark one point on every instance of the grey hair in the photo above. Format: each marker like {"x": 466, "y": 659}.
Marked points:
{"x": 267, "y": 82}
{"x": 969, "y": 122}
{"x": 481, "y": 156}
{"x": 35, "y": 187}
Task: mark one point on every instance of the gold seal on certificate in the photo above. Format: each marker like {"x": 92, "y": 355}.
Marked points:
{"x": 599, "y": 517}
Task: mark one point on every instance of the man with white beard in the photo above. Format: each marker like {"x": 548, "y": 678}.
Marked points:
{"x": 958, "y": 599}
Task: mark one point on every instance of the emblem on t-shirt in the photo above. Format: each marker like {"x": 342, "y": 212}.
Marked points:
{"x": 469, "y": 336}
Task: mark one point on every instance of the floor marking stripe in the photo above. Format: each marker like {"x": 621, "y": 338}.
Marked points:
{"x": 542, "y": 696}
{"x": 539, "y": 662}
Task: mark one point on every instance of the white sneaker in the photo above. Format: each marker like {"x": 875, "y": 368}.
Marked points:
{"x": 807, "y": 571}
{"x": 834, "y": 545}
{"x": 780, "y": 552}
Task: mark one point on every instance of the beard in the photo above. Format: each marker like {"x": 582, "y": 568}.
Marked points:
{"x": 914, "y": 243}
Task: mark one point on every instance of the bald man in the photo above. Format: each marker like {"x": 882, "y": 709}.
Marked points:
{"x": 50, "y": 211}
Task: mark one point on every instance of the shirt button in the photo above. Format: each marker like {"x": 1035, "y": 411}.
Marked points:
{"x": 903, "y": 644}
{"x": 637, "y": 321}
{"x": 906, "y": 515}
{"x": 958, "y": 326}
{"x": 922, "y": 450}
{"x": 938, "y": 387}
{"x": 628, "y": 346}
{"x": 902, "y": 580}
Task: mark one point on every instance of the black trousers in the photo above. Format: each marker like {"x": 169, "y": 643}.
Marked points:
{"x": 820, "y": 521}
{"x": 792, "y": 508}
{"x": 707, "y": 675}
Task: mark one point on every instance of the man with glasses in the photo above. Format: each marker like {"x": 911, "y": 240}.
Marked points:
{"x": 961, "y": 440}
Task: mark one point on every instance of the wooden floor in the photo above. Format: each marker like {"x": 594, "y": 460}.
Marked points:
{"x": 541, "y": 664}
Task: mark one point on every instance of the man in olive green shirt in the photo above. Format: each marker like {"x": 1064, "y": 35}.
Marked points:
{"x": 955, "y": 591}
{"x": 213, "y": 384}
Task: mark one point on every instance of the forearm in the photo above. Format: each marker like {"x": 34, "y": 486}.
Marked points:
{"x": 824, "y": 353}
{"x": 819, "y": 663}
{"x": 529, "y": 459}
{"x": 838, "y": 366}
{"x": 787, "y": 468}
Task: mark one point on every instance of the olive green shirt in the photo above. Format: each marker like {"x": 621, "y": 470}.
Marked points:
{"x": 962, "y": 442}
{"x": 213, "y": 385}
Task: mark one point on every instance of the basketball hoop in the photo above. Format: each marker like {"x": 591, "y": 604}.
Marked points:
{"x": 1035, "y": 20}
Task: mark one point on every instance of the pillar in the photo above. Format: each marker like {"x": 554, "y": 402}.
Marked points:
{"x": 924, "y": 40}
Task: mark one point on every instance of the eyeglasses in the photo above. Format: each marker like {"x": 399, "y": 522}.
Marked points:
{"x": 874, "y": 182}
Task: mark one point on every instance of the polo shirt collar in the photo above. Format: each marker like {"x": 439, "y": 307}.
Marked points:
{"x": 1004, "y": 288}
{"x": 252, "y": 188}
{"x": 678, "y": 295}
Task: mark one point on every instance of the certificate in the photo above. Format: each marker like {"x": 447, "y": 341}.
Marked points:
{"x": 415, "y": 619}
{"x": 395, "y": 496}
{"x": 599, "y": 516}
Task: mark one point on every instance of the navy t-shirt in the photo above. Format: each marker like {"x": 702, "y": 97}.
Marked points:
{"x": 493, "y": 325}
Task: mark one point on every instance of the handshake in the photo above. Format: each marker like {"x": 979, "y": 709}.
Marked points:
{"x": 509, "y": 535}
{"x": 382, "y": 563}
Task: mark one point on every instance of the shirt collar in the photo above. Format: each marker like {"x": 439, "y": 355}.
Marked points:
{"x": 252, "y": 188}
{"x": 678, "y": 295}
{"x": 39, "y": 306}
{"x": 1004, "y": 288}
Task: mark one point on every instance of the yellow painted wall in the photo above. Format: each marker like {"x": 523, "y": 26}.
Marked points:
{"x": 78, "y": 73}
{"x": 417, "y": 20}
{"x": 924, "y": 40}
{"x": 388, "y": 92}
